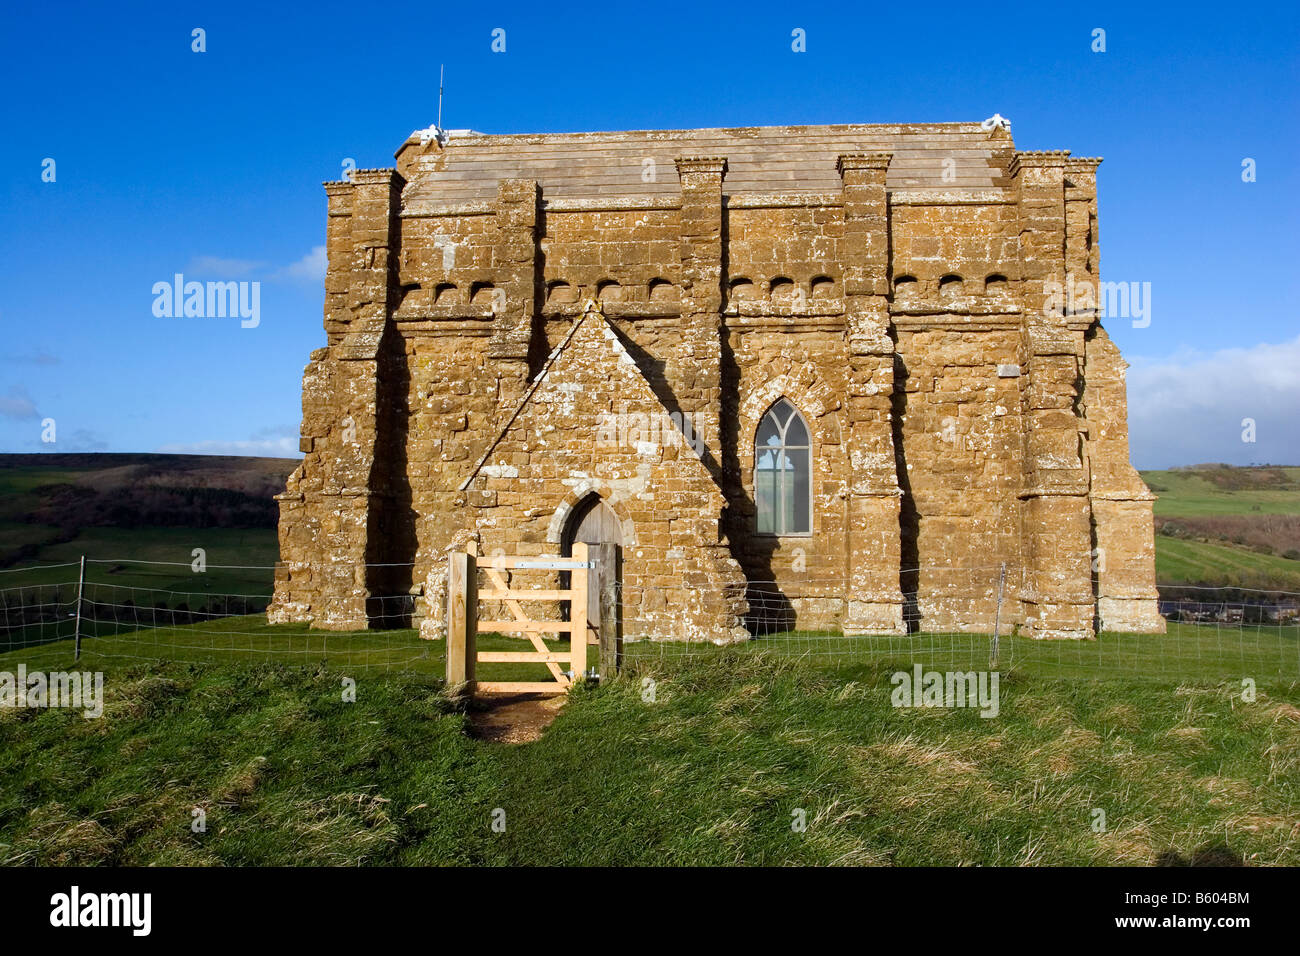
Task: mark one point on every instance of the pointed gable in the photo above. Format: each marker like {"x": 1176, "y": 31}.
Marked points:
{"x": 591, "y": 409}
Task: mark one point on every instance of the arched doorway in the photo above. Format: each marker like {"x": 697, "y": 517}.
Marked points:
{"x": 592, "y": 522}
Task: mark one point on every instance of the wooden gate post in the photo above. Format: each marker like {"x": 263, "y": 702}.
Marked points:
{"x": 462, "y": 620}
{"x": 578, "y": 612}
{"x": 609, "y": 561}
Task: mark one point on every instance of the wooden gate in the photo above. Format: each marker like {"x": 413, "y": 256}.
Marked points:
{"x": 464, "y": 624}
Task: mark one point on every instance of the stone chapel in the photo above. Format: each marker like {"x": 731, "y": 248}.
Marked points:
{"x": 820, "y": 371}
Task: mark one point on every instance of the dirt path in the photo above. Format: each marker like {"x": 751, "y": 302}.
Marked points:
{"x": 513, "y": 718}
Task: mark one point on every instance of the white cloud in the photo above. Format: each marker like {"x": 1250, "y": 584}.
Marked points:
{"x": 310, "y": 268}
{"x": 284, "y": 447}
{"x": 225, "y": 269}
{"x": 1188, "y": 408}
{"x": 18, "y": 405}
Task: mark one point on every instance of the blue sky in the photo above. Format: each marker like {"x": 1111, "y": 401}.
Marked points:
{"x": 210, "y": 164}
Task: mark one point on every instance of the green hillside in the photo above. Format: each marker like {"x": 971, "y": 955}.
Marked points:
{"x": 716, "y": 769}
{"x": 127, "y": 510}
{"x": 247, "y": 723}
{"x": 1214, "y": 564}
{"x": 1217, "y": 490}
{"x": 1224, "y": 526}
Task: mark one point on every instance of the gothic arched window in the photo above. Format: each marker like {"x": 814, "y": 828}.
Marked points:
{"x": 783, "y": 472}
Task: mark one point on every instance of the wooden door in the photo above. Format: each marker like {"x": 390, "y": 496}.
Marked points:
{"x": 596, "y": 525}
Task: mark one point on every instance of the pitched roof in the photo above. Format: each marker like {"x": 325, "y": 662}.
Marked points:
{"x": 767, "y": 159}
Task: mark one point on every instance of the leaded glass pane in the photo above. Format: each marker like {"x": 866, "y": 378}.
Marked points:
{"x": 796, "y": 433}
{"x": 796, "y": 491}
{"x": 783, "y": 472}
{"x": 765, "y": 491}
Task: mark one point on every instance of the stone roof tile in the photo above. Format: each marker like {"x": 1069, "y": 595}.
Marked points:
{"x": 775, "y": 159}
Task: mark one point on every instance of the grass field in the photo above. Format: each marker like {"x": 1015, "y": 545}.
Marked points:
{"x": 1217, "y": 514}
{"x": 1179, "y": 561}
{"x": 734, "y": 747}
{"x": 247, "y": 723}
{"x": 1201, "y": 652}
{"x": 132, "y": 509}
{"x": 123, "y": 556}
{"x": 1193, "y": 492}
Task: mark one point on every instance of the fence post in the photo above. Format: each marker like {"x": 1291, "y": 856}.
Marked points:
{"x": 610, "y": 578}
{"x": 578, "y": 613}
{"x": 81, "y": 588}
{"x": 997, "y": 616}
{"x": 462, "y": 620}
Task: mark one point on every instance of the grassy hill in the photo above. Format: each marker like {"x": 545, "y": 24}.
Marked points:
{"x": 1219, "y": 490}
{"x": 1218, "y": 525}
{"x": 132, "y": 509}
{"x": 248, "y": 724}
{"x": 734, "y": 747}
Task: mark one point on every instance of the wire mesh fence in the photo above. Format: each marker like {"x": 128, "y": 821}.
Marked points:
{"x": 1211, "y": 634}
{"x": 124, "y": 611}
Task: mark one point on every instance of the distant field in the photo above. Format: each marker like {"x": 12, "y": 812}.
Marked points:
{"x": 1221, "y": 565}
{"x": 1228, "y": 527}
{"x": 1206, "y": 492}
{"x": 132, "y": 509}
{"x": 127, "y": 549}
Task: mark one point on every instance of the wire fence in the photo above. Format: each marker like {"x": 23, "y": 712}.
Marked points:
{"x": 126, "y": 610}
